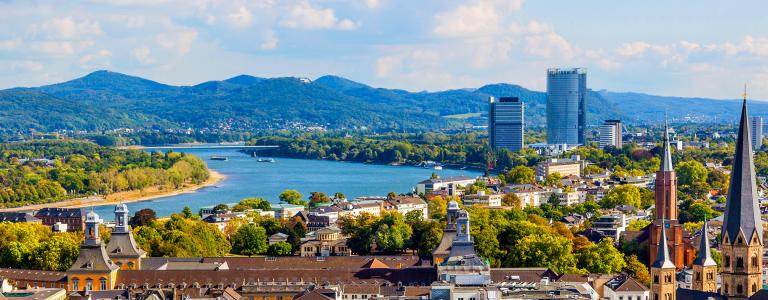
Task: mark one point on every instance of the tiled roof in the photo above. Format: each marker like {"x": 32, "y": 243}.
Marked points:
{"x": 60, "y": 212}
{"x": 17, "y": 217}
{"x": 27, "y": 275}
{"x": 122, "y": 245}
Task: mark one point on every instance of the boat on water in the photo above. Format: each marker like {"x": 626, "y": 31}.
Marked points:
{"x": 438, "y": 167}
{"x": 265, "y": 159}
{"x": 219, "y": 158}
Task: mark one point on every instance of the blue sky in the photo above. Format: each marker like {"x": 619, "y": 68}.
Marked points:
{"x": 684, "y": 48}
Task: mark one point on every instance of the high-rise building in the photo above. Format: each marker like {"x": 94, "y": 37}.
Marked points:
{"x": 505, "y": 123}
{"x": 610, "y": 134}
{"x": 757, "y": 132}
{"x": 742, "y": 233}
{"x": 566, "y": 105}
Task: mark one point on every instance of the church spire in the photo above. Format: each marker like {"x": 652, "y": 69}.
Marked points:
{"x": 741, "y": 210}
{"x": 663, "y": 260}
{"x": 666, "y": 159}
{"x": 704, "y": 256}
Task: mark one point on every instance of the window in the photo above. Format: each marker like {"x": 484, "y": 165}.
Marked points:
{"x": 656, "y": 296}
{"x": 726, "y": 288}
{"x": 710, "y": 275}
{"x": 656, "y": 279}
{"x": 739, "y": 262}
{"x": 754, "y": 260}
{"x": 103, "y": 284}
{"x": 130, "y": 265}
{"x": 739, "y": 289}
{"x": 754, "y": 288}
{"x": 88, "y": 284}
{"x": 698, "y": 275}
{"x": 354, "y": 296}
{"x": 727, "y": 261}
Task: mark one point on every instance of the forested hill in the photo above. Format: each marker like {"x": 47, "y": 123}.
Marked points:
{"x": 106, "y": 100}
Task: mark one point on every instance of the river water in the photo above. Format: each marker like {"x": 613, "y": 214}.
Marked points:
{"x": 245, "y": 177}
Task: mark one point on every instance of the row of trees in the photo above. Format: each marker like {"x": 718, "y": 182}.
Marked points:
{"x": 64, "y": 169}
{"x": 391, "y": 232}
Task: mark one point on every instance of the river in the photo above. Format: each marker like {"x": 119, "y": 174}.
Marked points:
{"x": 245, "y": 177}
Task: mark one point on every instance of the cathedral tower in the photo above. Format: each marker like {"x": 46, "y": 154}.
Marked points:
{"x": 742, "y": 235}
{"x": 666, "y": 210}
{"x": 704, "y": 267}
{"x": 122, "y": 248}
{"x": 663, "y": 285}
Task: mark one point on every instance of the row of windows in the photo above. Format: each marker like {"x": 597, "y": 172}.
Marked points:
{"x": 89, "y": 284}
{"x": 740, "y": 288}
{"x": 740, "y": 261}
{"x": 635, "y": 298}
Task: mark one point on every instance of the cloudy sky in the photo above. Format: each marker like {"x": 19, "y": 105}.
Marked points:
{"x": 706, "y": 48}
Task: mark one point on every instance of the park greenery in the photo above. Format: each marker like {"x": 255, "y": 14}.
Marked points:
{"x": 35, "y": 246}
{"x": 48, "y": 171}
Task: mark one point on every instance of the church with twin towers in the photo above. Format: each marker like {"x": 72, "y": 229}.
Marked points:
{"x": 741, "y": 244}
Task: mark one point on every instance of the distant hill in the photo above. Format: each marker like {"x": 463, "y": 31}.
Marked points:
{"x": 107, "y": 100}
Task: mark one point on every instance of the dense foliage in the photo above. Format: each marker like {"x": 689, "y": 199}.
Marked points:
{"x": 391, "y": 232}
{"x": 35, "y": 246}
{"x": 181, "y": 237}
{"x": 48, "y": 171}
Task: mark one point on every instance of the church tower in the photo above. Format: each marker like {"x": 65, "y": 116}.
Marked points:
{"x": 666, "y": 209}
{"x": 122, "y": 248}
{"x": 93, "y": 270}
{"x": 704, "y": 267}
{"x": 742, "y": 234}
{"x": 663, "y": 285}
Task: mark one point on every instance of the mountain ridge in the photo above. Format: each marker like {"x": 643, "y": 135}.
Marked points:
{"x": 245, "y": 102}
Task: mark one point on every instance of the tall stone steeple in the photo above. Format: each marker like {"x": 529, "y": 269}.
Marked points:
{"x": 704, "y": 267}
{"x": 663, "y": 284}
{"x": 742, "y": 234}
{"x": 666, "y": 209}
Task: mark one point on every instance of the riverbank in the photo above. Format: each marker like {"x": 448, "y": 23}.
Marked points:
{"x": 124, "y": 197}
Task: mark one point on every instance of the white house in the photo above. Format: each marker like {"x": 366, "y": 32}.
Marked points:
{"x": 624, "y": 287}
{"x": 448, "y": 185}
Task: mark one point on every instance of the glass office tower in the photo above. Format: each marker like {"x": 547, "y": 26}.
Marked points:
{"x": 505, "y": 123}
{"x": 566, "y": 105}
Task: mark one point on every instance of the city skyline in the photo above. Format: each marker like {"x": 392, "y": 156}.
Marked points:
{"x": 682, "y": 50}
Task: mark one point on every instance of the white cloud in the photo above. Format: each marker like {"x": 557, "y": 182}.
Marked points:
{"x": 179, "y": 41}
{"x": 270, "y": 41}
{"x": 386, "y": 66}
{"x": 27, "y": 65}
{"x": 143, "y": 55}
{"x": 68, "y": 28}
{"x": 303, "y": 16}
{"x": 54, "y": 48}
{"x": 480, "y": 19}
{"x": 373, "y": 4}
{"x": 242, "y": 17}
{"x": 99, "y": 59}
{"x": 8, "y": 44}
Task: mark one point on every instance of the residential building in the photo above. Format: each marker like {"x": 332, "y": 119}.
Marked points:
{"x": 624, "y": 287}
{"x": 567, "y": 197}
{"x": 565, "y": 167}
{"x": 406, "y": 204}
{"x": 450, "y": 185}
{"x": 72, "y": 217}
{"x": 757, "y": 132}
{"x": 19, "y": 217}
{"x": 530, "y": 195}
{"x": 506, "y": 123}
{"x": 285, "y": 210}
{"x": 325, "y": 242}
{"x": 611, "y": 225}
{"x": 566, "y": 106}
{"x": 277, "y": 238}
{"x": 610, "y": 134}
{"x": 482, "y": 199}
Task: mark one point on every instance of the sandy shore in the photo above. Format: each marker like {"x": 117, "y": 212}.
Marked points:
{"x": 124, "y": 197}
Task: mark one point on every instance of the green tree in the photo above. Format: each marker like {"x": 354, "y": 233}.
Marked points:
{"x": 690, "y": 172}
{"x": 143, "y": 217}
{"x": 318, "y": 198}
{"x": 521, "y": 175}
{"x": 292, "y": 197}
{"x": 637, "y": 269}
{"x": 601, "y": 258}
{"x": 280, "y": 249}
{"x": 545, "y": 250}
{"x": 249, "y": 240}
{"x": 638, "y": 224}
{"x": 553, "y": 179}
{"x": 252, "y": 203}
{"x": 622, "y": 195}
{"x": 393, "y": 234}
{"x": 512, "y": 200}
{"x": 187, "y": 212}
{"x": 699, "y": 211}
{"x": 426, "y": 236}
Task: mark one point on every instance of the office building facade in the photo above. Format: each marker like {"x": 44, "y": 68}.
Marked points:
{"x": 566, "y": 105}
{"x": 610, "y": 134}
{"x": 757, "y": 132}
{"x": 505, "y": 123}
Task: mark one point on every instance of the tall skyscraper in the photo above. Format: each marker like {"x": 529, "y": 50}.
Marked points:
{"x": 610, "y": 134}
{"x": 757, "y": 132}
{"x": 505, "y": 123}
{"x": 566, "y": 105}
